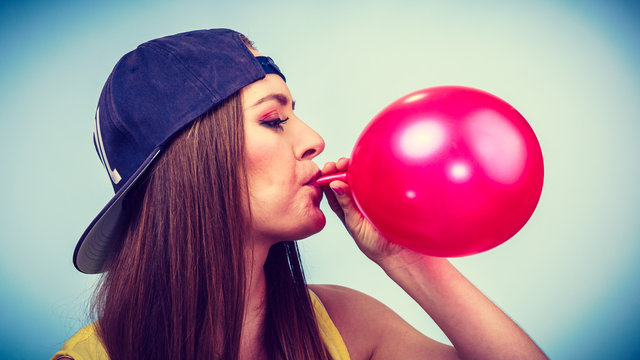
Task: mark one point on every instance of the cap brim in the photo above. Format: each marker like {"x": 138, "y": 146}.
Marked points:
{"x": 97, "y": 241}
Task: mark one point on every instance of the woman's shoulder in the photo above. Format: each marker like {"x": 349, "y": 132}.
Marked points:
{"x": 83, "y": 345}
{"x": 370, "y": 329}
{"x": 359, "y": 318}
{"x": 344, "y": 301}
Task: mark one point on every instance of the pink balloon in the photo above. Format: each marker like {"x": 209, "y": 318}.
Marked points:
{"x": 447, "y": 171}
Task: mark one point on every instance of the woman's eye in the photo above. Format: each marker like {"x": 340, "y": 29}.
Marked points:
{"x": 274, "y": 123}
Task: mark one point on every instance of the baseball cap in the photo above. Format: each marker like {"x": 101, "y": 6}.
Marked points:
{"x": 152, "y": 93}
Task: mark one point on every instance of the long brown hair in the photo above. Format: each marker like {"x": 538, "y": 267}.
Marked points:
{"x": 175, "y": 289}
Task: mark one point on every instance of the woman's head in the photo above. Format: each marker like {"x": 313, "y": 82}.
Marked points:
{"x": 151, "y": 95}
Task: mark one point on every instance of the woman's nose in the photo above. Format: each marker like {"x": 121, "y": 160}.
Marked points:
{"x": 310, "y": 143}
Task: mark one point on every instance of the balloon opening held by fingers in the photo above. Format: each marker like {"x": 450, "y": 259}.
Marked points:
{"x": 447, "y": 171}
{"x": 324, "y": 181}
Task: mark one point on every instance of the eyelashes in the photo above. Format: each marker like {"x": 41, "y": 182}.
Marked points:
{"x": 274, "y": 123}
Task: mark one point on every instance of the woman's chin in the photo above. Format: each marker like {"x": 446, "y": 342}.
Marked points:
{"x": 316, "y": 223}
{"x": 320, "y": 222}
{"x": 313, "y": 224}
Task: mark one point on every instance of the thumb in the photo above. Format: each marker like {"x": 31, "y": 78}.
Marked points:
{"x": 343, "y": 195}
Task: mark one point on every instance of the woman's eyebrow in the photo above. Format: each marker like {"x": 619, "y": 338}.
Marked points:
{"x": 281, "y": 98}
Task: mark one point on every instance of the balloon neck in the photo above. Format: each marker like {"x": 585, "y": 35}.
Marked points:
{"x": 324, "y": 181}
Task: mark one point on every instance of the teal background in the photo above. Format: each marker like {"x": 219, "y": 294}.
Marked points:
{"x": 569, "y": 278}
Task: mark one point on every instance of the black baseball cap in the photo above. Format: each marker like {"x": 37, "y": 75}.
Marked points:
{"x": 152, "y": 93}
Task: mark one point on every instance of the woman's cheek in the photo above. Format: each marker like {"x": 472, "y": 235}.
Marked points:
{"x": 258, "y": 167}
{"x": 257, "y": 152}
{"x": 270, "y": 165}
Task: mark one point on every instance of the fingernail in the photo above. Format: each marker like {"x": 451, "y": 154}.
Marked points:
{"x": 337, "y": 190}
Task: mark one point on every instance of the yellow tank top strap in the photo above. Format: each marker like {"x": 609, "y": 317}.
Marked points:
{"x": 328, "y": 331}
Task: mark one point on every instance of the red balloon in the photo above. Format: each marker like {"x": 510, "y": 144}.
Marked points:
{"x": 447, "y": 171}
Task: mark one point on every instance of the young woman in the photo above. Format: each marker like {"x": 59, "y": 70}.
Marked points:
{"x": 215, "y": 181}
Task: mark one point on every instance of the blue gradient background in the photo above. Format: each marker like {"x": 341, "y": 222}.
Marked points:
{"x": 569, "y": 278}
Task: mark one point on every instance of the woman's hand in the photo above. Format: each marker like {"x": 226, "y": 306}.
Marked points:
{"x": 476, "y": 326}
{"x": 370, "y": 241}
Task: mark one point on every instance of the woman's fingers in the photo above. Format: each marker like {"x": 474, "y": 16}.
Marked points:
{"x": 342, "y": 194}
{"x": 333, "y": 203}
{"x": 332, "y": 167}
{"x": 336, "y": 193}
{"x": 351, "y": 215}
{"x": 329, "y": 168}
{"x": 342, "y": 164}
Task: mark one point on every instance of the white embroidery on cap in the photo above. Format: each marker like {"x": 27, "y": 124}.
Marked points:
{"x": 97, "y": 137}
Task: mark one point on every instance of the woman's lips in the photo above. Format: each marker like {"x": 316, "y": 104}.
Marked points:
{"x": 312, "y": 180}
{"x": 317, "y": 197}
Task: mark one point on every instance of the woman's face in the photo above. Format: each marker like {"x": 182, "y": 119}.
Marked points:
{"x": 280, "y": 148}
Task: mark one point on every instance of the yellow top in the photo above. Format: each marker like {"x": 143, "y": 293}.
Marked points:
{"x": 85, "y": 344}
{"x": 328, "y": 331}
